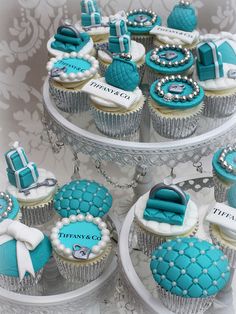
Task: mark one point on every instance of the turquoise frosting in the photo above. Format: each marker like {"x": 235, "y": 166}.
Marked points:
{"x": 177, "y": 104}
{"x": 73, "y": 65}
{"x": 220, "y": 171}
{"x": 183, "y": 17}
{"x": 123, "y": 74}
{"x": 83, "y": 196}
{"x": 190, "y": 268}
{"x": 142, "y": 29}
{"x": 39, "y": 257}
{"x": 166, "y": 69}
{"x": 231, "y": 196}
{"x": 15, "y": 208}
{"x": 68, "y": 42}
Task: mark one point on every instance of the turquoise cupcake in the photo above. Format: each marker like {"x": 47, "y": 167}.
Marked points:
{"x": 9, "y": 207}
{"x": 189, "y": 273}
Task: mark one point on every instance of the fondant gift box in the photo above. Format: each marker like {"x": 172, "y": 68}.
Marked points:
{"x": 119, "y": 44}
{"x": 89, "y": 6}
{"x": 118, "y": 27}
{"x": 91, "y": 19}
{"x": 16, "y": 158}
{"x": 24, "y": 177}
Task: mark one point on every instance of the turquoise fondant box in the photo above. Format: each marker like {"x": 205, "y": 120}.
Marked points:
{"x": 93, "y": 19}
{"x": 16, "y": 159}
{"x": 206, "y": 54}
{"x": 89, "y": 6}
{"x": 25, "y": 177}
{"x": 208, "y": 72}
{"x": 118, "y": 28}
{"x": 119, "y": 44}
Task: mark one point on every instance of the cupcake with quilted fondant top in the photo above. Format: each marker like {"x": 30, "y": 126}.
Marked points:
{"x": 140, "y": 23}
{"x": 168, "y": 60}
{"x": 82, "y": 247}
{"x": 82, "y": 197}
{"x": 9, "y": 207}
{"x": 166, "y": 212}
{"x": 175, "y": 104}
{"x": 67, "y": 76}
{"x": 189, "y": 273}
{"x": 24, "y": 252}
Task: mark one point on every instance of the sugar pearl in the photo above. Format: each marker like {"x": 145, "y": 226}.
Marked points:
{"x": 96, "y": 249}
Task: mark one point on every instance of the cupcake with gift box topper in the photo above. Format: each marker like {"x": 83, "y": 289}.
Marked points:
{"x": 140, "y": 24}
{"x": 216, "y": 73}
{"x": 168, "y": 60}
{"x": 67, "y": 76}
{"x": 69, "y": 39}
{"x": 166, "y": 212}
{"x": 9, "y": 207}
{"x": 189, "y": 273}
{"x": 24, "y": 252}
{"x": 175, "y": 104}
{"x": 224, "y": 172}
{"x": 82, "y": 247}
{"x": 120, "y": 42}
{"x": 180, "y": 29}
{"x": 116, "y": 100}
{"x": 33, "y": 188}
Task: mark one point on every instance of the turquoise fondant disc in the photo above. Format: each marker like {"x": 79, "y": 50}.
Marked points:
{"x": 142, "y": 29}
{"x": 15, "y": 208}
{"x": 73, "y": 65}
{"x": 221, "y": 172}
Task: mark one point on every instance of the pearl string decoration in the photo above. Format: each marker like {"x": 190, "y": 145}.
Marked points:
{"x": 157, "y": 59}
{"x": 151, "y": 13}
{"x": 8, "y": 199}
{"x": 222, "y": 159}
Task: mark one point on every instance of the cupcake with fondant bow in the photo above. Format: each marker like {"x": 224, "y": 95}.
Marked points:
{"x": 175, "y": 104}
{"x": 68, "y": 74}
{"x": 116, "y": 100}
{"x": 165, "y": 212}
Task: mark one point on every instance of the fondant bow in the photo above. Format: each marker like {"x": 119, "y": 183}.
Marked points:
{"x": 27, "y": 239}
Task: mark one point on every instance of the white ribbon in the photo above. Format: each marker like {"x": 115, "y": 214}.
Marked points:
{"x": 93, "y": 18}
{"x": 17, "y": 175}
{"x": 27, "y": 239}
{"x": 19, "y": 150}
{"x": 214, "y": 54}
{"x": 86, "y": 4}
{"x": 121, "y": 42}
{"x": 117, "y": 19}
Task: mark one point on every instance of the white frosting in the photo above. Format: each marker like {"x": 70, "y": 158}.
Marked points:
{"x": 100, "y": 30}
{"x": 137, "y": 52}
{"x": 87, "y": 49}
{"x": 37, "y": 194}
{"x": 190, "y": 220}
{"x": 221, "y": 35}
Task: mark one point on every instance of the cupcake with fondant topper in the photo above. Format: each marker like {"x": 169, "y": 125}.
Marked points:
{"x": 216, "y": 73}
{"x": 69, "y": 38}
{"x": 140, "y": 24}
{"x": 189, "y": 273}
{"x": 68, "y": 74}
{"x": 175, "y": 104}
{"x": 116, "y": 100}
{"x": 9, "y": 207}
{"x": 168, "y": 60}
{"x": 181, "y": 27}
{"x": 165, "y": 212}
{"x": 33, "y": 188}
{"x": 82, "y": 247}
{"x": 24, "y": 252}
{"x": 120, "y": 42}
{"x": 82, "y": 197}
{"x": 224, "y": 172}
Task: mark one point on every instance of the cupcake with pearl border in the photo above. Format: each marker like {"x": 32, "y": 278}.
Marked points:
{"x": 68, "y": 74}
{"x": 189, "y": 273}
{"x": 9, "y": 207}
{"x": 81, "y": 247}
{"x": 165, "y": 212}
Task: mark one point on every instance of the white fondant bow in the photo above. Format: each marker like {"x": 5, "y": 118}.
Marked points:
{"x": 119, "y": 16}
{"x": 27, "y": 239}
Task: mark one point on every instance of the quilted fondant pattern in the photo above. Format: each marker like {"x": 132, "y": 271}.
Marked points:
{"x": 190, "y": 267}
{"x": 165, "y": 216}
{"x": 183, "y": 18}
{"x": 83, "y": 197}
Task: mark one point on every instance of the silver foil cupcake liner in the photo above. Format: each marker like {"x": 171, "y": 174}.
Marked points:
{"x": 70, "y": 101}
{"x": 117, "y": 125}
{"x": 149, "y": 242}
{"x": 174, "y": 128}
{"x": 181, "y": 305}
{"x": 221, "y": 189}
{"x": 146, "y": 40}
{"x": 219, "y": 106}
{"x": 37, "y": 215}
{"x": 14, "y": 283}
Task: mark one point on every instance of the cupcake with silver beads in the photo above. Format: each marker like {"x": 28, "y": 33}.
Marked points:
{"x": 175, "y": 104}
{"x": 9, "y": 207}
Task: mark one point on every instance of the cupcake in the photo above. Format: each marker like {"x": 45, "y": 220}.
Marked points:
{"x": 168, "y": 60}
{"x": 33, "y": 188}
{"x": 67, "y": 76}
{"x": 116, "y": 101}
{"x": 165, "y": 212}
{"x": 216, "y": 73}
{"x": 120, "y": 42}
{"x": 189, "y": 273}
{"x": 24, "y": 252}
{"x": 9, "y": 207}
{"x": 175, "y": 105}
{"x": 81, "y": 247}
{"x": 69, "y": 39}
{"x": 82, "y": 197}
{"x": 181, "y": 27}
{"x": 140, "y": 23}
{"x": 224, "y": 172}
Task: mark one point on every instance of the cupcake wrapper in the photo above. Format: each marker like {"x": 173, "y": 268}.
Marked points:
{"x": 117, "y": 125}
{"x": 174, "y": 128}
{"x": 68, "y": 100}
{"x": 37, "y": 215}
{"x": 220, "y": 189}
{"x": 14, "y": 283}
{"x": 219, "y": 106}
{"x": 148, "y": 242}
{"x": 146, "y": 40}
{"x": 183, "y": 305}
